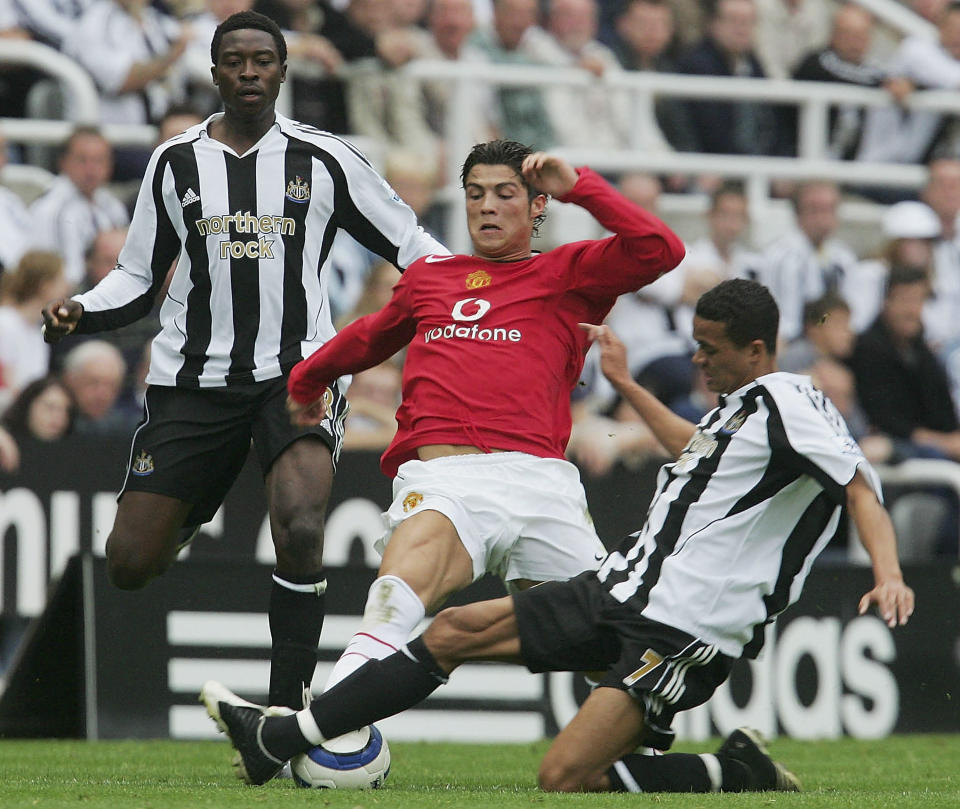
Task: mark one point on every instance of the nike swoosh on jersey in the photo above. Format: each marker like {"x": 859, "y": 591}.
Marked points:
{"x": 435, "y": 259}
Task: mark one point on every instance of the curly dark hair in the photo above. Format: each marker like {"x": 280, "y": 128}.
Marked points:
{"x": 746, "y": 308}
{"x": 248, "y": 19}
{"x": 508, "y": 153}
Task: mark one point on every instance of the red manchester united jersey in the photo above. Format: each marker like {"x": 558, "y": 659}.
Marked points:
{"x": 494, "y": 347}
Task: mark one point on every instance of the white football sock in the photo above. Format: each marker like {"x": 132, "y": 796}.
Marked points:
{"x": 392, "y": 612}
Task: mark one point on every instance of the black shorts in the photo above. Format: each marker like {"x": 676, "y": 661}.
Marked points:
{"x": 192, "y": 442}
{"x": 576, "y": 625}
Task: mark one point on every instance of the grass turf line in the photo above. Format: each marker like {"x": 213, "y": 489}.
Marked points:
{"x": 901, "y": 771}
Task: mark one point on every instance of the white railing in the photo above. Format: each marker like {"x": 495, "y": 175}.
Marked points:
{"x": 79, "y": 91}
{"x": 813, "y": 100}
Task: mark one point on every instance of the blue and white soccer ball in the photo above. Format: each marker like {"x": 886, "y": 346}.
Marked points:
{"x": 357, "y": 760}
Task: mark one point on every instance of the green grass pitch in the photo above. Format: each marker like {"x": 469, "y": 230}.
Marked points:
{"x": 901, "y": 771}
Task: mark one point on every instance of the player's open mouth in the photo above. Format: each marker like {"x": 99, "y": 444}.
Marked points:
{"x": 489, "y": 227}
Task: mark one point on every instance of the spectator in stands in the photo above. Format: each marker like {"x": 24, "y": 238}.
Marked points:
{"x": 376, "y": 292}
{"x": 717, "y": 256}
{"x": 374, "y": 399}
{"x": 786, "y": 30}
{"x": 727, "y": 127}
{"x": 416, "y": 182}
{"x": 78, "y": 205}
{"x": 809, "y": 260}
{"x": 942, "y": 313}
{"x": 178, "y": 118}
{"x": 132, "y": 51}
{"x": 896, "y": 134}
{"x": 48, "y": 21}
{"x": 94, "y": 371}
{"x": 15, "y": 225}
{"x": 449, "y": 24}
{"x": 44, "y": 410}
{"x": 594, "y": 116}
{"x": 900, "y": 383}
{"x": 24, "y": 356}
{"x": 846, "y": 60}
{"x": 910, "y": 230}
{"x": 826, "y": 334}
{"x": 644, "y": 39}
{"x": 520, "y": 113}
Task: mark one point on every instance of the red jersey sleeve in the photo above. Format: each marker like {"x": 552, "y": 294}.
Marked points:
{"x": 364, "y": 343}
{"x": 642, "y": 248}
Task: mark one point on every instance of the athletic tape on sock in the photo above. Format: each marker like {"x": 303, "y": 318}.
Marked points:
{"x": 309, "y": 728}
{"x": 317, "y": 587}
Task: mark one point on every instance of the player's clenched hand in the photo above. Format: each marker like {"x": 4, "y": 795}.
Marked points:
{"x": 309, "y": 414}
{"x": 60, "y": 318}
{"x": 613, "y": 354}
{"x": 894, "y": 602}
{"x": 548, "y": 174}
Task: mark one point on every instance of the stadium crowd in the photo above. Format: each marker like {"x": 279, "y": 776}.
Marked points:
{"x": 877, "y": 329}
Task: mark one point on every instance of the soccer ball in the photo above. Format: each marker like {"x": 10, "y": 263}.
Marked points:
{"x": 357, "y": 760}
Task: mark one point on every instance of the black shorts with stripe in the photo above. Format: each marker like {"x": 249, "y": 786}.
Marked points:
{"x": 576, "y": 625}
{"x": 192, "y": 442}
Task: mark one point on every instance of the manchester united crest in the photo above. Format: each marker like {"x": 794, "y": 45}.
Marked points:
{"x": 411, "y": 501}
{"x": 478, "y": 279}
{"x": 298, "y": 190}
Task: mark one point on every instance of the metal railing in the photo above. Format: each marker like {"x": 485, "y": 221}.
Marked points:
{"x": 813, "y": 100}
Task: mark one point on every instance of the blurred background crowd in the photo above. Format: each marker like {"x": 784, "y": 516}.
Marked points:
{"x": 870, "y": 307}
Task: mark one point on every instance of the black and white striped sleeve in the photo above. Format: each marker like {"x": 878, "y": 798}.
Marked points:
{"x": 128, "y": 291}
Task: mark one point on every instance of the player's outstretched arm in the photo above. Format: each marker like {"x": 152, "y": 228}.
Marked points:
{"x": 894, "y": 600}
{"x": 60, "y": 317}
{"x": 670, "y": 429}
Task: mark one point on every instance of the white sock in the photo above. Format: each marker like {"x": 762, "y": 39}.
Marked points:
{"x": 392, "y": 612}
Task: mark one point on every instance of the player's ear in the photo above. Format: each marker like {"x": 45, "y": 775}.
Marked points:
{"x": 283, "y": 72}
{"x": 213, "y": 74}
{"x": 537, "y": 204}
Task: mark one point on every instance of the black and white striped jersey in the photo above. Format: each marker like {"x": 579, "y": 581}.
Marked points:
{"x": 251, "y": 237}
{"x": 739, "y": 517}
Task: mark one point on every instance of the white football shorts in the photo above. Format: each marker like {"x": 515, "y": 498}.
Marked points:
{"x": 518, "y": 516}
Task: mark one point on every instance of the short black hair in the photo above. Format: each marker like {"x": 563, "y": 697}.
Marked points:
{"x": 508, "y": 153}
{"x": 746, "y": 308}
{"x": 248, "y": 19}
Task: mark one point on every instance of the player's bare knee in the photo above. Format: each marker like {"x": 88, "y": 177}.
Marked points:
{"x": 299, "y": 542}
{"x": 554, "y": 776}
{"x": 129, "y": 567}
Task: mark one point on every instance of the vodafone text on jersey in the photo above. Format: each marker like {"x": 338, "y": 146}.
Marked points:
{"x": 469, "y": 310}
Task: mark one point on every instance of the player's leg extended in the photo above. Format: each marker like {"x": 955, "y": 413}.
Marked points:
{"x": 423, "y": 563}
{"x": 298, "y": 487}
{"x": 482, "y": 631}
{"x": 144, "y": 539}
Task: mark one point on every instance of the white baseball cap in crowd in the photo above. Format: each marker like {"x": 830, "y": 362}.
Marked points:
{"x": 910, "y": 220}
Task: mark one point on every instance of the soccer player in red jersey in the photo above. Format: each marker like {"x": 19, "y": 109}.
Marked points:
{"x": 480, "y": 480}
